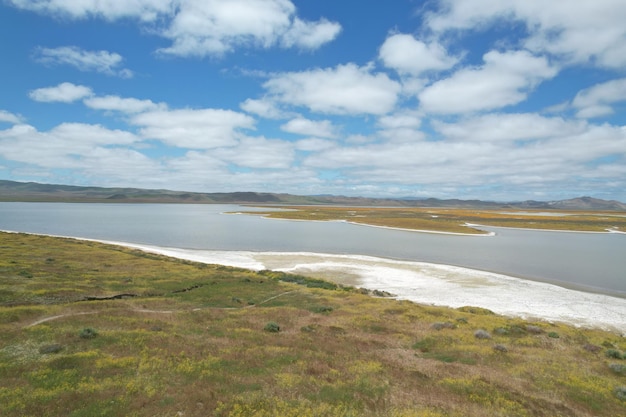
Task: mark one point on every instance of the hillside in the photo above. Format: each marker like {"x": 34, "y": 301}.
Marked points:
{"x": 30, "y": 191}
{"x": 91, "y": 329}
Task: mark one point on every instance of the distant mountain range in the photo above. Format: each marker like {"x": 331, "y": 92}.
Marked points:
{"x": 31, "y": 191}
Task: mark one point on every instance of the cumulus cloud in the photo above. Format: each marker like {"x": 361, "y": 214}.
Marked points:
{"x": 504, "y": 79}
{"x": 505, "y": 127}
{"x": 64, "y": 93}
{"x": 67, "y": 145}
{"x": 7, "y": 117}
{"x": 596, "y": 101}
{"x": 124, "y": 105}
{"x": 587, "y": 31}
{"x": 310, "y": 35}
{"x": 345, "y": 89}
{"x": 407, "y": 55}
{"x": 306, "y": 127}
{"x": 203, "y": 27}
{"x": 258, "y": 152}
{"x": 99, "y": 61}
{"x": 264, "y": 108}
{"x": 144, "y": 10}
{"x": 194, "y": 129}
{"x": 561, "y": 159}
{"x": 214, "y": 27}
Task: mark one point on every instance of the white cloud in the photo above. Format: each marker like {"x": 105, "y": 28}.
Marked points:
{"x": 195, "y": 129}
{"x": 203, "y": 27}
{"x": 581, "y": 31}
{"x": 263, "y": 108}
{"x": 7, "y": 117}
{"x": 64, "y": 92}
{"x": 596, "y": 101}
{"x": 509, "y": 127}
{"x": 558, "y": 160}
{"x": 258, "y": 153}
{"x": 504, "y": 79}
{"x": 124, "y": 105}
{"x": 99, "y": 61}
{"x": 214, "y": 27}
{"x": 310, "y": 35}
{"x": 407, "y": 55}
{"x": 145, "y": 10}
{"x": 314, "y": 144}
{"x": 402, "y": 119}
{"x": 346, "y": 89}
{"x": 306, "y": 127}
{"x": 65, "y": 146}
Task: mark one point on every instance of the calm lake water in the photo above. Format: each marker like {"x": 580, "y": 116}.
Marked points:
{"x": 589, "y": 261}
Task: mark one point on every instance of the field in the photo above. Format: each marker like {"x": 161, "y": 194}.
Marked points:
{"x": 97, "y": 330}
{"x": 454, "y": 220}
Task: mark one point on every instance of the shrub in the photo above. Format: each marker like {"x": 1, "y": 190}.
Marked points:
{"x": 501, "y": 331}
{"x": 618, "y": 368}
{"x": 482, "y": 334}
{"x": 272, "y": 327}
{"x": 620, "y": 392}
{"x": 445, "y": 325}
{"x": 613, "y": 353}
{"x": 54, "y": 348}
{"x": 592, "y": 348}
{"x": 88, "y": 333}
{"x": 322, "y": 309}
{"x": 553, "y": 335}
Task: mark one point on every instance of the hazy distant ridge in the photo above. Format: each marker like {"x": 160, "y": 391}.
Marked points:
{"x": 30, "y": 191}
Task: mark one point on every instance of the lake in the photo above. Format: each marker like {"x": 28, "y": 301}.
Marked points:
{"x": 383, "y": 258}
{"x": 592, "y": 260}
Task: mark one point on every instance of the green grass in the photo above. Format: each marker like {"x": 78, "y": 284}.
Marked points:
{"x": 192, "y": 341}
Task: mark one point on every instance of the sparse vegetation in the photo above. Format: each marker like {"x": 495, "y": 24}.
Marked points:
{"x": 191, "y": 342}
{"x": 453, "y": 220}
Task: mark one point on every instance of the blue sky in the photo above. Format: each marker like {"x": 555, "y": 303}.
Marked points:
{"x": 490, "y": 99}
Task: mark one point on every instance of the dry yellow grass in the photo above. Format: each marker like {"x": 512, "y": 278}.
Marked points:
{"x": 455, "y": 220}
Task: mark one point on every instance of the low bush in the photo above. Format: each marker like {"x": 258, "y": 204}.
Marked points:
{"x": 47, "y": 349}
{"x": 482, "y": 334}
{"x": 592, "y": 348}
{"x": 322, "y": 309}
{"x": 553, "y": 335}
{"x": 618, "y": 368}
{"x": 88, "y": 333}
{"x": 500, "y": 348}
{"x": 620, "y": 392}
{"x": 534, "y": 329}
{"x": 613, "y": 353}
{"x": 272, "y": 327}
{"x": 444, "y": 325}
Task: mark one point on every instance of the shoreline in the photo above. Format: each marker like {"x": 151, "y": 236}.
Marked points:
{"x": 422, "y": 283}
{"x": 425, "y": 283}
{"x": 486, "y": 234}
{"x": 439, "y": 232}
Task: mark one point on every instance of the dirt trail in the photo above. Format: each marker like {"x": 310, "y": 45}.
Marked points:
{"x": 143, "y": 310}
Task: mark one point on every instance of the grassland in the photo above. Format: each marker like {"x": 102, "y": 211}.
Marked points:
{"x": 454, "y": 220}
{"x": 98, "y": 330}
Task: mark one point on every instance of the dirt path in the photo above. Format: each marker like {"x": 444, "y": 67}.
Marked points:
{"x": 143, "y": 310}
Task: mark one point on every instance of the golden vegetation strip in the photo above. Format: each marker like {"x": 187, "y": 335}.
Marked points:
{"x": 455, "y": 220}
{"x": 195, "y": 340}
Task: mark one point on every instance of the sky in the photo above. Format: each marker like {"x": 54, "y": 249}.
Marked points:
{"x": 501, "y": 100}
